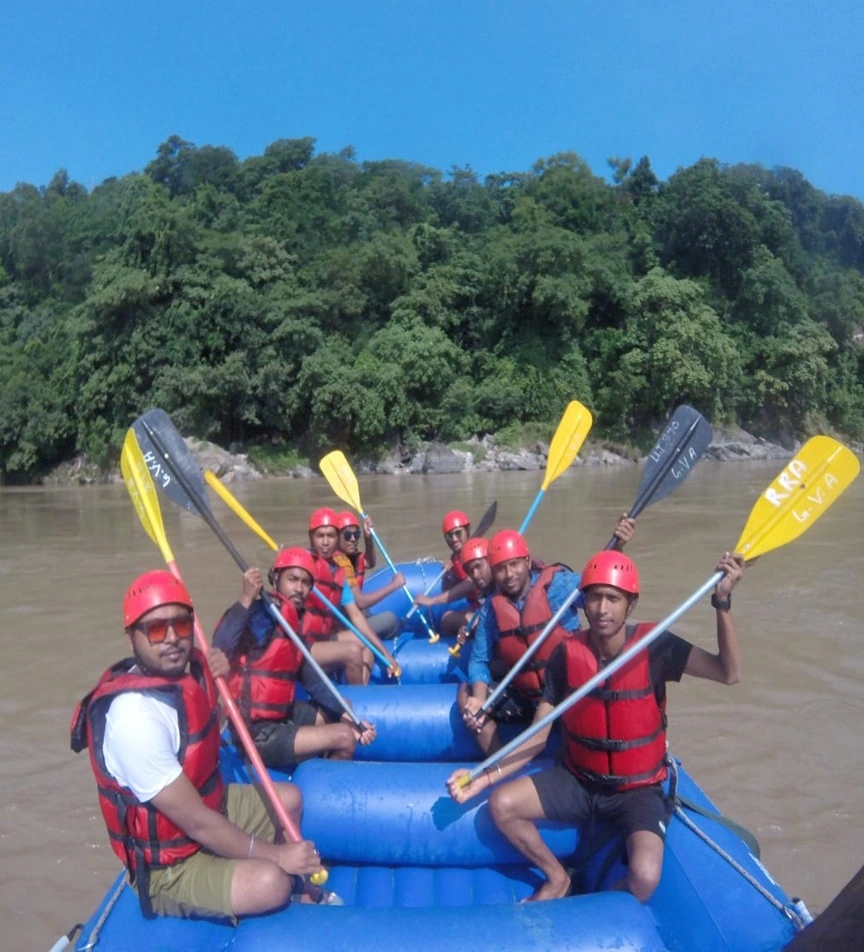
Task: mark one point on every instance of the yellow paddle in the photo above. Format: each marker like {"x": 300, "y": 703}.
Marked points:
{"x": 573, "y": 427}
{"x": 142, "y": 491}
{"x": 337, "y": 471}
{"x": 797, "y": 497}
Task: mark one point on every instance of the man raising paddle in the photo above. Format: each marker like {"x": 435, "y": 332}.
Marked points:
{"x": 614, "y": 760}
{"x": 191, "y": 845}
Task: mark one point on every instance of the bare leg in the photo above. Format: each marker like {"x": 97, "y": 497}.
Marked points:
{"x": 336, "y": 741}
{"x": 515, "y": 806}
{"x": 644, "y": 863}
{"x": 342, "y": 655}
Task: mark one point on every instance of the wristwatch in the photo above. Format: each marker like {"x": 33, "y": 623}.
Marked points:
{"x": 721, "y": 604}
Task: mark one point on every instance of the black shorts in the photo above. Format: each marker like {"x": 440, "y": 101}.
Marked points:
{"x": 275, "y": 739}
{"x": 566, "y": 799}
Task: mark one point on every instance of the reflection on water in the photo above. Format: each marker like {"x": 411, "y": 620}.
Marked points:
{"x": 779, "y": 752}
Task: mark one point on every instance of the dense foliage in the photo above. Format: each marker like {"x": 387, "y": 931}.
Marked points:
{"x": 311, "y": 300}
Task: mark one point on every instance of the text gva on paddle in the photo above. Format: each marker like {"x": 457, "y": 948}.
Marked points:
{"x": 685, "y": 461}
{"x": 792, "y": 479}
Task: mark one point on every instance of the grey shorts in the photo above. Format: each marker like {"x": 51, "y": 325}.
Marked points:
{"x": 566, "y": 799}
{"x": 275, "y": 739}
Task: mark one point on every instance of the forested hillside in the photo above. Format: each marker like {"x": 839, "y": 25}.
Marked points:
{"x": 316, "y": 301}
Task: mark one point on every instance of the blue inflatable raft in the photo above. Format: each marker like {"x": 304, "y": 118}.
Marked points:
{"x": 417, "y": 870}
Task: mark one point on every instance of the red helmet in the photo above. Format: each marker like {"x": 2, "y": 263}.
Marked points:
{"x": 294, "y": 558}
{"x": 474, "y": 549}
{"x": 322, "y": 517}
{"x": 505, "y": 545}
{"x": 611, "y": 568}
{"x": 346, "y": 519}
{"x": 152, "y": 590}
{"x": 454, "y": 520}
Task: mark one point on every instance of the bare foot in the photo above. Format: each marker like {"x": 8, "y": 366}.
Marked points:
{"x": 558, "y": 889}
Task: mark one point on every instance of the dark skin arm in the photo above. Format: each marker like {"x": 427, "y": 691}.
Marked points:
{"x": 180, "y": 802}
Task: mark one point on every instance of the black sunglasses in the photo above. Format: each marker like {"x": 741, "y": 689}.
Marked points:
{"x": 351, "y": 534}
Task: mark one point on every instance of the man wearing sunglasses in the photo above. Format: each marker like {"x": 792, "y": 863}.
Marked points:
{"x": 355, "y": 563}
{"x": 191, "y": 844}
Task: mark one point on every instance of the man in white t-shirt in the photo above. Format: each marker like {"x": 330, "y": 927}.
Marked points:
{"x": 191, "y": 844}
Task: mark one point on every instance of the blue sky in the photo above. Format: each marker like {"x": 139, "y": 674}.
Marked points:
{"x": 94, "y": 86}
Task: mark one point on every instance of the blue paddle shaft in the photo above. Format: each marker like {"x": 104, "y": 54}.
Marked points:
{"x": 597, "y": 679}
{"x": 394, "y": 570}
{"x": 334, "y": 611}
{"x": 530, "y": 514}
{"x": 429, "y": 588}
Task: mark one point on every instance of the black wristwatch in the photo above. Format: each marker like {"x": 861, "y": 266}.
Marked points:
{"x": 722, "y": 605}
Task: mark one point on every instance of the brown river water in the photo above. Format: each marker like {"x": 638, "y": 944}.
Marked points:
{"x": 780, "y": 752}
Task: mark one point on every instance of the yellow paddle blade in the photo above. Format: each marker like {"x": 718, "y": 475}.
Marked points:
{"x": 337, "y": 471}
{"x": 575, "y": 425}
{"x": 807, "y": 486}
{"x": 234, "y": 504}
{"x": 142, "y": 492}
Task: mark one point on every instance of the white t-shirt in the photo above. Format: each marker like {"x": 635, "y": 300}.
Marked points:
{"x": 142, "y": 742}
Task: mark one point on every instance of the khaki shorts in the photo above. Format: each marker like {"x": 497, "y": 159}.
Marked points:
{"x": 201, "y": 885}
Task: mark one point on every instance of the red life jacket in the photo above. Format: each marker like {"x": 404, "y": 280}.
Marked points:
{"x": 617, "y": 734}
{"x": 318, "y": 622}
{"x": 455, "y": 574}
{"x": 519, "y": 630}
{"x": 141, "y": 836}
{"x": 355, "y": 570}
{"x": 262, "y": 678}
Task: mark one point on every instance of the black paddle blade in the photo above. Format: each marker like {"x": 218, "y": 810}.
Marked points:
{"x": 164, "y": 449}
{"x": 488, "y": 519}
{"x": 686, "y": 437}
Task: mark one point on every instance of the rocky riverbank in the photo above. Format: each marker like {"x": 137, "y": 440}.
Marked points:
{"x": 475, "y": 455}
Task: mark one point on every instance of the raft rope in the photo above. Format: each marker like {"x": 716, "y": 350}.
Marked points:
{"x": 796, "y": 918}
{"x": 97, "y": 929}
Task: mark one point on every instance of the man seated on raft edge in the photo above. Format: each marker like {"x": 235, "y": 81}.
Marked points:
{"x": 348, "y": 556}
{"x": 265, "y": 665}
{"x": 525, "y": 595}
{"x": 152, "y": 728}
{"x": 336, "y": 648}
{"x": 617, "y": 777}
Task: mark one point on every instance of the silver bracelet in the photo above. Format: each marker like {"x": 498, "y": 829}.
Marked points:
{"x": 251, "y": 846}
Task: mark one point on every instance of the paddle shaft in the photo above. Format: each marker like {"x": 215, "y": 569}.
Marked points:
{"x": 646, "y": 492}
{"x": 530, "y": 514}
{"x": 245, "y": 738}
{"x": 339, "y": 616}
{"x": 598, "y": 679}
{"x": 429, "y": 588}
{"x": 405, "y": 589}
{"x": 210, "y": 519}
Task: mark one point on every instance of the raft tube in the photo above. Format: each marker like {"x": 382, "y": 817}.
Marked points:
{"x": 418, "y": 871}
